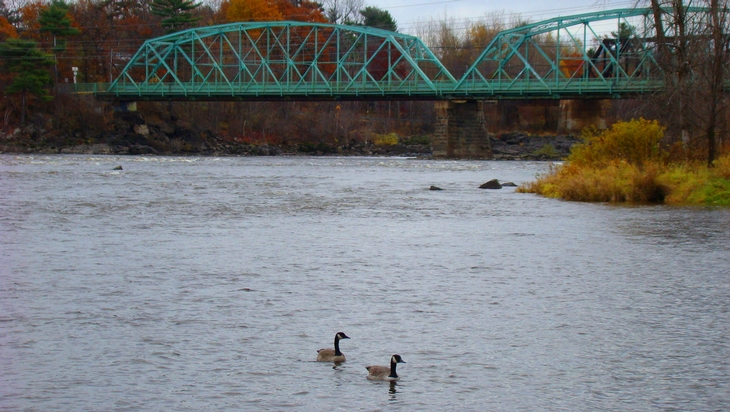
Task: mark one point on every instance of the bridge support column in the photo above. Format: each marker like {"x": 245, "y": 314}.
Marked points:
{"x": 576, "y": 115}
{"x": 461, "y": 131}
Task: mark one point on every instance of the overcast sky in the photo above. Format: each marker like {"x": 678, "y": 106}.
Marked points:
{"x": 408, "y": 13}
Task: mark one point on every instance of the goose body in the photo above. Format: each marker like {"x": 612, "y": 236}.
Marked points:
{"x": 385, "y": 373}
{"x": 333, "y": 355}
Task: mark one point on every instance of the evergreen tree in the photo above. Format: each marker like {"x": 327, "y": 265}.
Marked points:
{"x": 176, "y": 14}
{"x": 27, "y": 65}
{"x": 624, "y": 32}
{"x": 55, "y": 20}
{"x": 378, "y": 18}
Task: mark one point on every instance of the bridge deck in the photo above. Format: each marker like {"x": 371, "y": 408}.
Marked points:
{"x": 596, "y": 88}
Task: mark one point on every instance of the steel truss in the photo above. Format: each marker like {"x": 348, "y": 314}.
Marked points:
{"x": 564, "y": 57}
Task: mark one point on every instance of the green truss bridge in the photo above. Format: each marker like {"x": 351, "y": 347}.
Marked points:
{"x": 287, "y": 60}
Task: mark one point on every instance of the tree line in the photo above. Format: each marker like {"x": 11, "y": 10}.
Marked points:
{"x": 42, "y": 41}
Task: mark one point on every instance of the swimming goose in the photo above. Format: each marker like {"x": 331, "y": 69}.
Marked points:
{"x": 333, "y": 355}
{"x": 385, "y": 373}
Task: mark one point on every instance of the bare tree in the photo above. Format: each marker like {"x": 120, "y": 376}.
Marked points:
{"x": 715, "y": 74}
{"x": 343, "y": 11}
{"x": 692, "y": 50}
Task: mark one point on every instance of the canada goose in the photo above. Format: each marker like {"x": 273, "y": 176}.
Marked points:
{"x": 333, "y": 355}
{"x": 385, "y": 373}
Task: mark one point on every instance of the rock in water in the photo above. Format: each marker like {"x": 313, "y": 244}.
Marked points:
{"x": 492, "y": 184}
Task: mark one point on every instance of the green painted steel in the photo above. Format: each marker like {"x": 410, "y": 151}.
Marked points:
{"x": 568, "y": 57}
{"x": 281, "y": 60}
{"x": 565, "y": 57}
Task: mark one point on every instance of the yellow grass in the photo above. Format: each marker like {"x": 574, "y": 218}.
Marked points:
{"x": 611, "y": 167}
{"x": 385, "y": 139}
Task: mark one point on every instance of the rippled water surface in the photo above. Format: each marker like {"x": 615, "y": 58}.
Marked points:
{"x": 209, "y": 284}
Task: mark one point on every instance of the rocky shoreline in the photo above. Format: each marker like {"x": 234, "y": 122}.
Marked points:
{"x": 134, "y": 135}
{"x": 512, "y": 146}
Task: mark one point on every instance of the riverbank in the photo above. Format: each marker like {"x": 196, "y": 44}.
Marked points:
{"x": 159, "y": 134}
{"x": 145, "y": 140}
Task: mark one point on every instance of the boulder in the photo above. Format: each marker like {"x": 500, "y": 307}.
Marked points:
{"x": 141, "y": 129}
{"x": 435, "y": 188}
{"x": 492, "y": 184}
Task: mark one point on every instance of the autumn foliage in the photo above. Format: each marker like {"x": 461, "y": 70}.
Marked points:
{"x": 571, "y": 65}
{"x": 105, "y": 34}
{"x": 7, "y": 30}
{"x": 270, "y": 10}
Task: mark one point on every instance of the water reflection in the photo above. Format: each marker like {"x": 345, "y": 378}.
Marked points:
{"x": 392, "y": 390}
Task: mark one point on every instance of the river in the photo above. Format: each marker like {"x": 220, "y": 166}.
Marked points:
{"x": 201, "y": 283}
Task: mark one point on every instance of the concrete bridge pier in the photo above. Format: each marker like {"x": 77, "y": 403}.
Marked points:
{"x": 461, "y": 131}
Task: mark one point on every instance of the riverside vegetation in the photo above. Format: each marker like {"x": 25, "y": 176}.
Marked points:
{"x": 629, "y": 163}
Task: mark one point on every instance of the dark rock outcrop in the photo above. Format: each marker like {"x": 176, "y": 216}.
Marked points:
{"x": 492, "y": 184}
{"x": 521, "y": 146}
{"x": 160, "y": 133}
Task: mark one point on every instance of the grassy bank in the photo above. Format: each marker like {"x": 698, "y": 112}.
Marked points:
{"x": 628, "y": 164}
